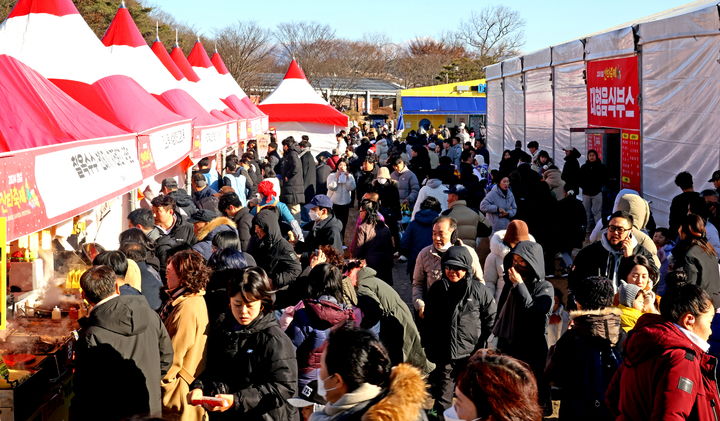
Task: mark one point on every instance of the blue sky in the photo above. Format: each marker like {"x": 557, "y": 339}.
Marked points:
{"x": 548, "y": 22}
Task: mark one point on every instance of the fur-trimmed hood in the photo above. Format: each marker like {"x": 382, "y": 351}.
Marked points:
{"x": 214, "y": 225}
{"x": 405, "y": 398}
{"x": 498, "y": 247}
{"x": 603, "y": 323}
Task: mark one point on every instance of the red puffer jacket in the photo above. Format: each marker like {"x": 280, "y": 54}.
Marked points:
{"x": 664, "y": 376}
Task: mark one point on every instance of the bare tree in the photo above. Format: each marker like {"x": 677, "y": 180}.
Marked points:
{"x": 247, "y": 50}
{"x": 495, "y": 32}
{"x": 308, "y": 42}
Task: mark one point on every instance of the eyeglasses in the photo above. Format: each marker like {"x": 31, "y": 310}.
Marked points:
{"x": 619, "y": 230}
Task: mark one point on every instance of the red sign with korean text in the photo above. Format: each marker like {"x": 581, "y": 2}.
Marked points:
{"x": 613, "y": 90}
{"x": 630, "y": 162}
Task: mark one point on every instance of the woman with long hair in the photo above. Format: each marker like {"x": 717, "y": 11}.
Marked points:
{"x": 495, "y": 387}
{"x": 419, "y": 162}
{"x": 373, "y": 241}
{"x": 251, "y": 370}
{"x": 358, "y": 381}
{"x": 507, "y": 163}
{"x": 186, "y": 319}
{"x": 697, "y": 257}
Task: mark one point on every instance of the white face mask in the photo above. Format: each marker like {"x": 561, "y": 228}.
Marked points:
{"x": 450, "y": 414}
{"x": 313, "y": 215}
{"x": 321, "y": 386}
{"x": 445, "y": 247}
{"x": 382, "y": 180}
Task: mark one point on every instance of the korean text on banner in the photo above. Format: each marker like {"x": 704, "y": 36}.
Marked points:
{"x": 613, "y": 89}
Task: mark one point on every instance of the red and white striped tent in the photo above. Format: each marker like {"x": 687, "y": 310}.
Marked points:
{"x": 57, "y": 158}
{"x": 125, "y": 42}
{"x": 238, "y": 100}
{"x": 296, "y": 109}
{"x": 52, "y": 38}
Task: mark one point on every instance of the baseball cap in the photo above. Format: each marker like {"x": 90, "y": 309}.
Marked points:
{"x": 715, "y": 176}
{"x": 457, "y": 189}
{"x": 320, "y": 201}
{"x": 203, "y": 215}
{"x": 169, "y": 183}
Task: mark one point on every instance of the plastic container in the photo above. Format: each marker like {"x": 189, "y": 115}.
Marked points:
{"x": 56, "y": 313}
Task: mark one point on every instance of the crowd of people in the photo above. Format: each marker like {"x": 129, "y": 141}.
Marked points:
{"x": 268, "y": 291}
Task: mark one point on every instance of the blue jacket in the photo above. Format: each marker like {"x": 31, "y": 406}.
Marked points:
{"x": 495, "y": 200}
{"x": 418, "y": 234}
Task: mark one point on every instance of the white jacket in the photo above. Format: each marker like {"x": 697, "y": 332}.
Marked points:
{"x": 339, "y": 193}
{"x": 494, "y": 269}
{"x": 432, "y": 188}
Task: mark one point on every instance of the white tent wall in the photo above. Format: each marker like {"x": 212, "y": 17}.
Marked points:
{"x": 322, "y": 136}
{"x": 570, "y": 92}
{"x": 681, "y": 103}
{"x": 493, "y": 75}
{"x": 539, "y": 99}
{"x": 514, "y": 104}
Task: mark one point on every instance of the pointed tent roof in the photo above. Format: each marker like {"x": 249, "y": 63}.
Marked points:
{"x": 51, "y": 37}
{"x": 125, "y": 42}
{"x": 49, "y": 116}
{"x": 204, "y": 68}
{"x": 241, "y": 100}
{"x": 295, "y": 100}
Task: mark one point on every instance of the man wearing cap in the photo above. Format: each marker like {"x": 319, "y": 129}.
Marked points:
{"x": 183, "y": 201}
{"x": 458, "y": 321}
{"x": 715, "y": 179}
{"x": 471, "y": 223}
{"x": 324, "y": 228}
{"x": 203, "y": 195}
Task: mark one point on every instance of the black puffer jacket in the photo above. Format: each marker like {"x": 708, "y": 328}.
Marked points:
{"x": 308, "y": 173}
{"x": 291, "y": 171}
{"x": 459, "y": 316}
{"x": 324, "y": 233}
{"x": 243, "y": 220}
{"x": 123, "y": 351}
{"x": 273, "y": 253}
{"x": 180, "y": 233}
{"x": 322, "y": 172}
{"x": 256, "y": 364}
{"x": 593, "y": 177}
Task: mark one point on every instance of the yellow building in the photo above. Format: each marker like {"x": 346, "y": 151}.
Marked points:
{"x": 449, "y": 104}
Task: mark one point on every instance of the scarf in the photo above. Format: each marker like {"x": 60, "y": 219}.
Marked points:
{"x": 348, "y": 401}
{"x": 167, "y": 308}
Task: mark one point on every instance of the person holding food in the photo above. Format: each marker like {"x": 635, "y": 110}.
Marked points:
{"x": 251, "y": 366}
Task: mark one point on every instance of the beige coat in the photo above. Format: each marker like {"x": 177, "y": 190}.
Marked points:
{"x": 187, "y": 325}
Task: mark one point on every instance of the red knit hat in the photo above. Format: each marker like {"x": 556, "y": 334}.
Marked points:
{"x": 267, "y": 189}
{"x": 516, "y": 232}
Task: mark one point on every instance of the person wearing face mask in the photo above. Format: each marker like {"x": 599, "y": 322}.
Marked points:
{"x": 427, "y": 265}
{"x": 358, "y": 382}
{"x": 324, "y": 228}
{"x": 251, "y": 363}
{"x": 495, "y": 387}
{"x": 525, "y": 305}
{"x": 459, "y": 317}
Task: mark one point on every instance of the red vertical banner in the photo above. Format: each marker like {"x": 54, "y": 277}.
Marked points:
{"x": 613, "y": 101}
{"x": 631, "y": 164}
